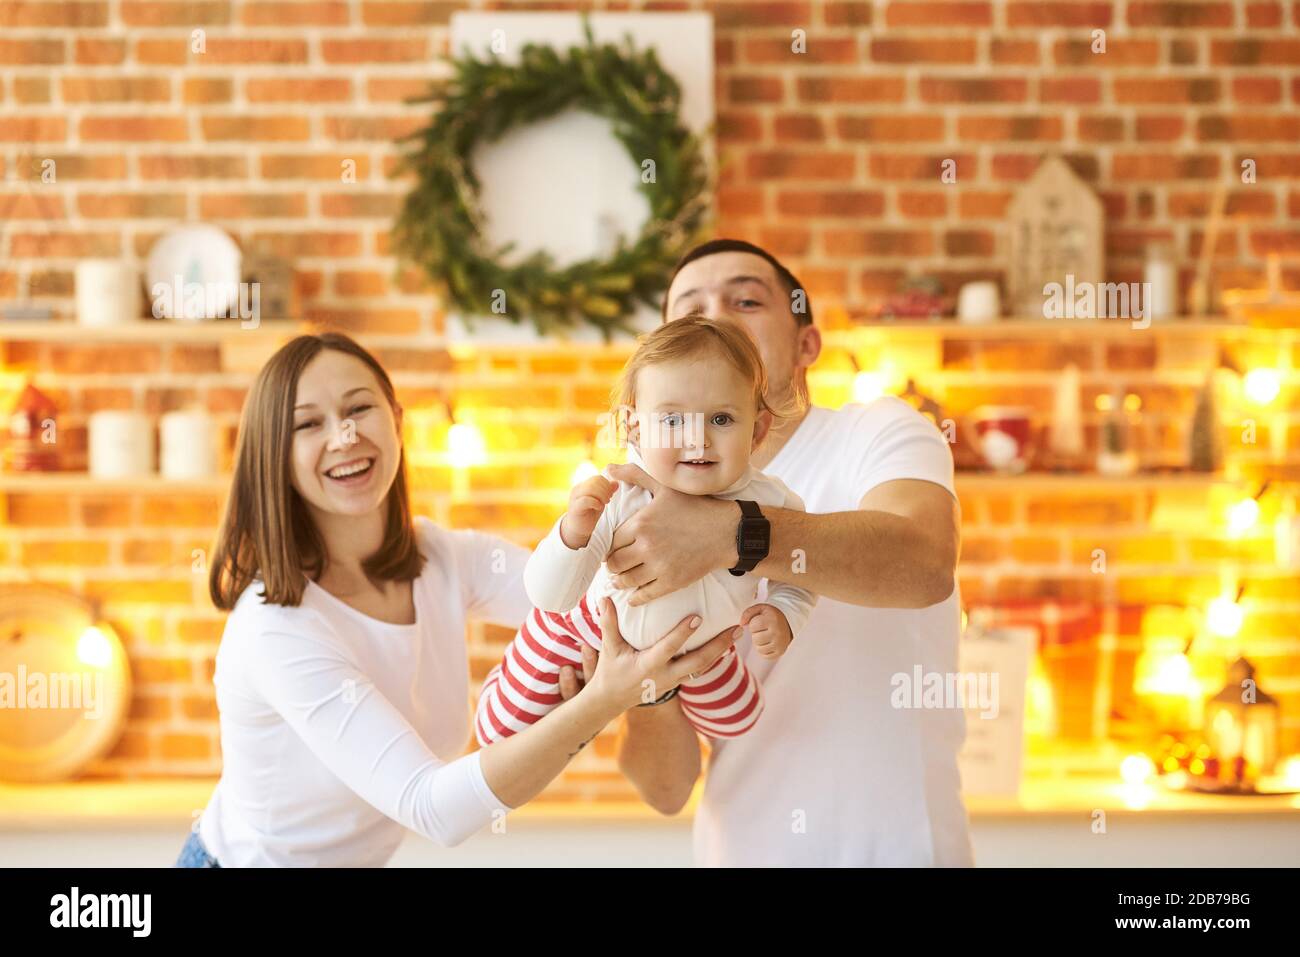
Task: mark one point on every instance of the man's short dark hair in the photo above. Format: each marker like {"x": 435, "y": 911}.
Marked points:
{"x": 788, "y": 279}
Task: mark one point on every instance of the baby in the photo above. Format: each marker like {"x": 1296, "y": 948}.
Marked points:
{"x": 697, "y": 390}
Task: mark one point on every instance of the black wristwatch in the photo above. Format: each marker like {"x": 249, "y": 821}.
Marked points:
{"x": 753, "y": 538}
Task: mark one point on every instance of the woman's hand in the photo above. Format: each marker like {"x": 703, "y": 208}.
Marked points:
{"x": 625, "y": 677}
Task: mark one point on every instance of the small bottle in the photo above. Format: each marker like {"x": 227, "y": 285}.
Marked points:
{"x": 1160, "y": 283}
{"x": 1115, "y": 455}
{"x": 1204, "y": 446}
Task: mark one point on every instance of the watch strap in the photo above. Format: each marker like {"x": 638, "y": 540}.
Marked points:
{"x": 749, "y": 511}
{"x": 666, "y": 696}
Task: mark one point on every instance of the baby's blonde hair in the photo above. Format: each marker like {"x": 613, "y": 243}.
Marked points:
{"x": 687, "y": 339}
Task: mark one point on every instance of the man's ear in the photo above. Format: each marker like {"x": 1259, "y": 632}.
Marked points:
{"x": 808, "y": 348}
{"x": 762, "y": 424}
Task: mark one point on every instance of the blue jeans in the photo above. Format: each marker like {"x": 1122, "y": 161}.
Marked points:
{"x": 194, "y": 854}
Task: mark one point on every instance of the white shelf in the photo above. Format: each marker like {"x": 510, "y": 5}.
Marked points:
{"x": 219, "y": 331}
{"x": 1055, "y": 328}
{"x": 1078, "y": 481}
{"x": 157, "y": 331}
{"x": 72, "y": 483}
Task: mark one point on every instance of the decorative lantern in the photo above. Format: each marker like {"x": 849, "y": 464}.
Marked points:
{"x": 1242, "y": 723}
{"x": 274, "y": 279}
{"x": 32, "y": 431}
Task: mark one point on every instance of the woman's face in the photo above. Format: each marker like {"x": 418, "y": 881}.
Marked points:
{"x": 346, "y": 437}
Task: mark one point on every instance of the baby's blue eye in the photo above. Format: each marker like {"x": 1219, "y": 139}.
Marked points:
{"x": 673, "y": 420}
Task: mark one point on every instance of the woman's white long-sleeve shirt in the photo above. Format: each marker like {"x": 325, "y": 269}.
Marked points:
{"x": 338, "y": 730}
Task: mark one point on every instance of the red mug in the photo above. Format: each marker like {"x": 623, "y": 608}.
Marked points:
{"x": 1004, "y": 436}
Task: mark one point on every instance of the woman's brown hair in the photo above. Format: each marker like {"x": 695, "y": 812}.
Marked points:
{"x": 266, "y": 531}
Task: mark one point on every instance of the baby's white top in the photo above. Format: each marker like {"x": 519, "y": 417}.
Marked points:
{"x": 557, "y": 576}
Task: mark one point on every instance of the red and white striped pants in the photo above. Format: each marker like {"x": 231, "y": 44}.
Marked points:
{"x": 722, "y": 702}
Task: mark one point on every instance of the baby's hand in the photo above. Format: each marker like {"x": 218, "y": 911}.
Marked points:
{"x": 587, "y": 501}
{"x": 769, "y": 629}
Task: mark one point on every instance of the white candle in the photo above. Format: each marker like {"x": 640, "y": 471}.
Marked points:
{"x": 108, "y": 292}
{"x": 121, "y": 445}
{"x": 188, "y": 451}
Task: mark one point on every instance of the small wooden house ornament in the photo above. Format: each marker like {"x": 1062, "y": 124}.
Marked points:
{"x": 277, "y": 293}
{"x": 1056, "y": 237}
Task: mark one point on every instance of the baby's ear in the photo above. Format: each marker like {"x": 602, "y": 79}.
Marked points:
{"x": 762, "y": 423}
{"x": 630, "y": 426}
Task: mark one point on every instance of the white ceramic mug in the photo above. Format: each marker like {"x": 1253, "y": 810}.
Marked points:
{"x": 979, "y": 302}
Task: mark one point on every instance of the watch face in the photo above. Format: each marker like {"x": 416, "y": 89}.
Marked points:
{"x": 754, "y": 536}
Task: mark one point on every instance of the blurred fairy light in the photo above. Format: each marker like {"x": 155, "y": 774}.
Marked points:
{"x": 1290, "y": 773}
{"x": 465, "y": 445}
{"x": 868, "y": 386}
{"x": 1173, "y": 675}
{"x": 871, "y": 384}
{"x": 1224, "y": 617}
{"x": 1262, "y": 385}
{"x": 1137, "y": 769}
{"x": 94, "y": 648}
{"x": 1242, "y": 516}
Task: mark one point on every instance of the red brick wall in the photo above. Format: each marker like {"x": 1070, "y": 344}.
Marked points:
{"x": 830, "y": 158}
{"x": 831, "y": 155}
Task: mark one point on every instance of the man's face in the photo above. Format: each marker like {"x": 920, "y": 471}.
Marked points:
{"x": 745, "y": 288}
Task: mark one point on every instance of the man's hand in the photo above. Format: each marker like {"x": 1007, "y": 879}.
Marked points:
{"x": 674, "y": 541}
{"x": 769, "y": 628}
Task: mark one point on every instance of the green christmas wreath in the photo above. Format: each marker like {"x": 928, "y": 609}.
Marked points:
{"x": 439, "y": 227}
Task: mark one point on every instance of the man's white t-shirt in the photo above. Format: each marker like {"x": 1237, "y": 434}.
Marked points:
{"x": 340, "y": 731}
{"x": 832, "y": 774}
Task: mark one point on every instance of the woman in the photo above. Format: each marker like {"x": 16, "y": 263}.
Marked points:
{"x": 342, "y": 676}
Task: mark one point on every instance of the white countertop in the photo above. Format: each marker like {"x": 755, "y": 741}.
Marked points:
{"x": 153, "y": 801}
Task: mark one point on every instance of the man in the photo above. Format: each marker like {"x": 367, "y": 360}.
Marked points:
{"x": 833, "y": 773}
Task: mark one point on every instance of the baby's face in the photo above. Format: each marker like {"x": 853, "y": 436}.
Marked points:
{"x": 694, "y": 424}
